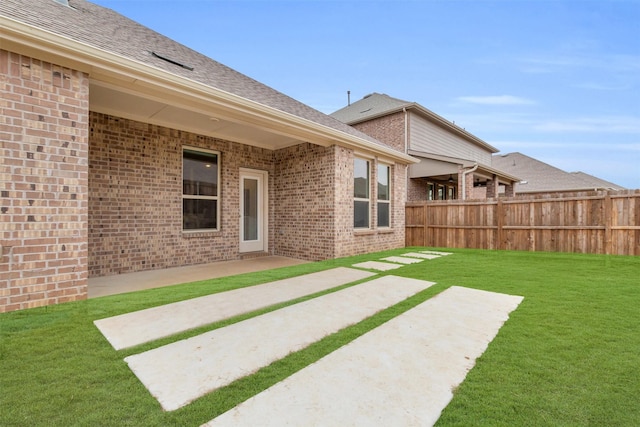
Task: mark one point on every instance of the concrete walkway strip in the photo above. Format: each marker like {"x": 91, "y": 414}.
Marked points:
{"x": 421, "y": 255}
{"x": 437, "y": 253}
{"x": 180, "y": 372}
{"x": 401, "y": 373}
{"x": 128, "y": 330}
{"x": 377, "y": 265}
{"x": 402, "y": 260}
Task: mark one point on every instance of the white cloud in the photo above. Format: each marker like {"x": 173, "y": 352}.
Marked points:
{"x": 616, "y": 124}
{"x": 496, "y": 100}
{"x": 615, "y": 63}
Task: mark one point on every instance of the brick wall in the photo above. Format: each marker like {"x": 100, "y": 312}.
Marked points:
{"x": 43, "y": 212}
{"x": 305, "y": 187}
{"x": 417, "y": 189}
{"x": 388, "y": 129}
{"x": 353, "y": 242}
{"x": 135, "y": 197}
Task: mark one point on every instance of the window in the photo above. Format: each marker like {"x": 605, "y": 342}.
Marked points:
{"x": 384, "y": 196}
{"x": 430, "y": 192}
{"x": 200, "y": 190}
{"x": 360, "y": 193}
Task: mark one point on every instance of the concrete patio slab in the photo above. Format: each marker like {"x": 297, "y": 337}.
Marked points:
{"x": 180, "y": 372}
{"x": 421, "y": 255}
{"x": 377, "y": 265}
{"x": 140, "y": 280}
{"x": 402, "y": 260}
{"x": 142, "y": 326}
{"x": 401, "y": 373}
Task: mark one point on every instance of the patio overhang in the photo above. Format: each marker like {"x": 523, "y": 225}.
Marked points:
{"x": 127, "y": 88}
{"x": 443, "y": 168}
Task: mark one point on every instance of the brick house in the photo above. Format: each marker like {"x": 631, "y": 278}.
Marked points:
{"x": 538, "y": 177}
{"x": 123, "y": 151}
{"x": 454, "y": 164}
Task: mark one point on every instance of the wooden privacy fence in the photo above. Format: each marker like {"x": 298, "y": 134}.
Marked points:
{"x": 595, "y": 222}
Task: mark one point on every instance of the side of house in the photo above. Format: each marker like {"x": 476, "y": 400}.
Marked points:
{"x": 453, "y": 162}
{"x": 123, "y": 154}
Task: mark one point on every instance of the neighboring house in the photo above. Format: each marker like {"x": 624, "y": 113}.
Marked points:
{"x": 540, "y": 177}
{"x": 123, "y": 150}
{"x": 454, "y": 164}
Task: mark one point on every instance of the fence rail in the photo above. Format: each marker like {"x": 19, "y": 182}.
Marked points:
{"x": 594, "y": 222}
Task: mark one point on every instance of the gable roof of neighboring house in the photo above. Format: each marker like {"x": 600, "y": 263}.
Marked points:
{"x": 377, "y": 105}
{"x": 538, "y": 176}
{"x": 157, "y": 79}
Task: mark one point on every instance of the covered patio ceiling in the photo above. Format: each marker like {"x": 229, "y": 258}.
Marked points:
{"x": 129, "y": 104}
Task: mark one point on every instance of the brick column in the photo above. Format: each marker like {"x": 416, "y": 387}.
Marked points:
{"x": 44, "y": 173}
{"x": 468, "y": 186}
{"x": 510, "y": 190}
{"x": 492, "y": 188}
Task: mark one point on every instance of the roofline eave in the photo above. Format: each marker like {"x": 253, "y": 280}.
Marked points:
{"x": 437, "y": 119}
{"x": 100, "y": 64}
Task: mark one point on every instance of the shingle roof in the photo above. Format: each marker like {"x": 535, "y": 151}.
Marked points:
{"x": 372, "y": 105}
{"x": 542, "y": 177}
{"x": 377, "y": 105}
{"x": 109, "y": 31}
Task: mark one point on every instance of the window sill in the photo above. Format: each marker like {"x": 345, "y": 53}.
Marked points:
{"x": 188, "y": 234}
{"x": 363, "y": 232}
{"x": 372, "y": 231}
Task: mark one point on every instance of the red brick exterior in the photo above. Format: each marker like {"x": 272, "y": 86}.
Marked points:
{"x": 350, "y": 242}
{"x": 135, "y": 202}
{"x": 305, "y": 187}
{"x": 88, "y": 194}
{"x": 44, "y": 137}
{"x": 135, "y": 197}
{"x": 388, "y": 129}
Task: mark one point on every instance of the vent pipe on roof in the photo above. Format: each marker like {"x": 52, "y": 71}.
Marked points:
{"x": 348, "y": 97}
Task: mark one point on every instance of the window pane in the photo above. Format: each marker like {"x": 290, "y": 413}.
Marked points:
{"x": 360, "y": 214}
{"x": 250, "y": 214}
{"x": 383, "y": 214}
{"x": 199, "y": 174}
{"x": 383, "y": 182}
{"x": 199, "y": 214}
{"x": 361, "y": 178}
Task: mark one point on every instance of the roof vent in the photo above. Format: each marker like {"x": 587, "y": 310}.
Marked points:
{"x": 164, "y": 58}
{"x": 63, "y": 2}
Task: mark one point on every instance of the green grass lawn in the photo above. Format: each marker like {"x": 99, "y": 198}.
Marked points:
{"x": 569, "y": 355}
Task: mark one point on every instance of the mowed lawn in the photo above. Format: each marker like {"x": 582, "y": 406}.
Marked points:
{"x": 568, "y": 355}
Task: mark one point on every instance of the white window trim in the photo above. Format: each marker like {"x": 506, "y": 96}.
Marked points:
{"x": 378, "y": 200}
{"x": 193, "y": 197}
{"x": 361, "y": 199}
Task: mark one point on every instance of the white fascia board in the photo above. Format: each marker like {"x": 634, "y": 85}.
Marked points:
{"x": 100, "y": 63}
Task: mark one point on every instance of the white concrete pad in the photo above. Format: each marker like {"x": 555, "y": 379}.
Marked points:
{"x": 402, "y": 260}
{"x": 421, "y": 255}
{"x": 377, "y": 265}
{"x": 180, "y": 372}
{"x": 437, "y": 253}
{"x": 128, "y": 330}
{"x": 399, "y": 374}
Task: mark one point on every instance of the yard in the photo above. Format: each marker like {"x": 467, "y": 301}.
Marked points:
{"x": 568, "y": 355}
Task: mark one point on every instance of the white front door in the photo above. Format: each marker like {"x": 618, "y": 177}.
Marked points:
{"x": 253, "y": 210}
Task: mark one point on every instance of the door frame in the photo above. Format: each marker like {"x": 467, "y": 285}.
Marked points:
{"x": 262, "y": 244}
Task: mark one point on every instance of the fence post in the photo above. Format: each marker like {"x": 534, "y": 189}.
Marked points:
{"x": 426, "y": 225}
{"x": 608, "y": 209}
{"x": 500, "y": 224}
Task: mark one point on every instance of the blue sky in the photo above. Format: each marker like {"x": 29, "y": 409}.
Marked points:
{"x": 553, "y": 79}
